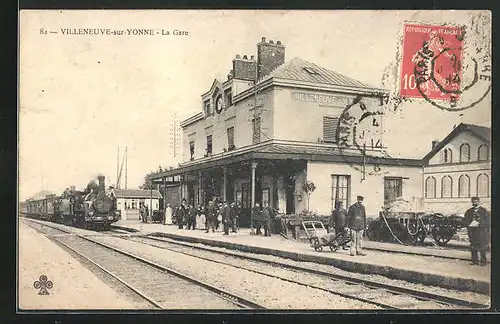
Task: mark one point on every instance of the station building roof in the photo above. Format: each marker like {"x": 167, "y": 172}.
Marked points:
{"x": 286, "y": 150}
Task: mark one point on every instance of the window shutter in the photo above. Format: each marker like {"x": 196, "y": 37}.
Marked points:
{"x": 330, "y": 129}
{"x": 256, "y": 131}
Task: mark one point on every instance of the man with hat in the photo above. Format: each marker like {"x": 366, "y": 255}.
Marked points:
{"x": 477, "y": 220}
{"x": 338, "y": 221}
{"x": 226, "y": 217}
{"x": 356, "y": 220}
{"x": 211, "y": 216}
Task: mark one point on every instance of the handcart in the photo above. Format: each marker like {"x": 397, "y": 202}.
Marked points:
{"x": 319, "y": 237}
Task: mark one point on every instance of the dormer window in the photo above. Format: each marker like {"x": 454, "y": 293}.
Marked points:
{"x": 208, "y": 110}
{"x": 311, "y": 70}
{"x": 229, "y": 98}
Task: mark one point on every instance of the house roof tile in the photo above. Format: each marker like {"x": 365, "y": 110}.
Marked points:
{"x": 297, "y": 69}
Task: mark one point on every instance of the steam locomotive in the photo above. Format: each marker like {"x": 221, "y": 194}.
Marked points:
{"x": 91, "y": 208}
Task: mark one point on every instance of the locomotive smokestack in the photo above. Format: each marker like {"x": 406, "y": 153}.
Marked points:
{"x": 101, "y": 178}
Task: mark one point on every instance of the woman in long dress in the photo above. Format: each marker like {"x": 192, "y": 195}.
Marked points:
{"x": 168, "y": 215}
{"x": 200, "y": 218}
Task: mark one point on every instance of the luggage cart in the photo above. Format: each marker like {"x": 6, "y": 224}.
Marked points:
{"x": 319, "y": 237}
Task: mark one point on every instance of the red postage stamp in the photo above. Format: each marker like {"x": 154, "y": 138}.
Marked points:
{"x": 431, "y": 62}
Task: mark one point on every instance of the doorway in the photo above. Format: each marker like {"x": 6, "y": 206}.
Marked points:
{"x": 290, "y": 196}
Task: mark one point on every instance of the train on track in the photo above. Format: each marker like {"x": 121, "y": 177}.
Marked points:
{"x": 91, "y": 208}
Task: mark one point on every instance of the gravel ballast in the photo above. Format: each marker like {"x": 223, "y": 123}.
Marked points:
{"x": 470, "y": 296}
{"x": 269, "y": 292}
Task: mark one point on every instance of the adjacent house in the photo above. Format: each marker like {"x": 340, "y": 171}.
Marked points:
{"x": 128, "y": 201}
{"x": 457, "y": 168}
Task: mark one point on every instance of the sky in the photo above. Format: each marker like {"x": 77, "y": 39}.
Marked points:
{"x": 82, "y": 96}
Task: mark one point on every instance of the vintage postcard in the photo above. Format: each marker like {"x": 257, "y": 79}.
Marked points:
{"x": 254, "y": 159}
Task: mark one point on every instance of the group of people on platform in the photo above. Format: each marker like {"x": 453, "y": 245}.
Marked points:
{"x": 351, "y": 222}
{"x": 476, "y": 220}
{"x": 355, "y": 220}
{"x": 209, "y": 217}
{"x": 262, "y": 218}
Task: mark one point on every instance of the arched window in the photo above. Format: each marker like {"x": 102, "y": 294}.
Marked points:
{"x": 483, "y": 185}
{"x": 464, "y": 186}
{"x": 430, "y": 187}
{"x": 446, "y": 187}
{"x": 465, "y": 153}
{"x": 482, "y": 152}
{"x": 447, "y": 156}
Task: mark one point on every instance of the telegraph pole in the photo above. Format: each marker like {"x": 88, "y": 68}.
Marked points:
{"x": 126, "y": 166}
{"x": 117, "y": 167}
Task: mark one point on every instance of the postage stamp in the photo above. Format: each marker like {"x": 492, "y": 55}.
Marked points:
{"x": 448, "y": 66}
{"x": 435, "y": 52}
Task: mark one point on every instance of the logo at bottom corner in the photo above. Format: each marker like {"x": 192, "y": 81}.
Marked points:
{"x": 43, "y": 284}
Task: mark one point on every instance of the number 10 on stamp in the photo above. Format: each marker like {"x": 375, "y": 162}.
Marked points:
{"x": 431, "y": 64}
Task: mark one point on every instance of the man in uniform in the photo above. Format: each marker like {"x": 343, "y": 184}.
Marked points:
{"x": 235, "y": 213}
{"x": 339, "y": 218}
{"x": 211, "y": 216}
{"x": 356, "y": 219}
{"x": 142, "y": 212}
{"x": 191, "y": 215}
{"x": 181, "y": 214}
{"x": 146, "y": 213}
{"x": 477, "y": 220}
{"x": 267, "y": 213}
{"x": 226, "y": 217}
{"x": 257, "y": 218}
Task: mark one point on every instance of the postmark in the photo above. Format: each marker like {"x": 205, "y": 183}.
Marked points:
{"x": 359, "y": 135}
{"x": 447, "y": 66}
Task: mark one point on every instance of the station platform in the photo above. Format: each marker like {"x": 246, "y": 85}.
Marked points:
{"x": 448, "y": 268}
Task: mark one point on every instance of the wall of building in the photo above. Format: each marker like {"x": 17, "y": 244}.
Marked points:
{"x": 131, "y": 212}
{"x": 464, "y": 137}
{"x": 372, "y": 188}
{"x": 456, "y": 204}
{"x": 298, "y": 113}
{"x": 238, "y": 116}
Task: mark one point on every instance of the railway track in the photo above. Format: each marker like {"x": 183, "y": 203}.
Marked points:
{"x": 376, "y": 293}
{"x": 159, "y": 285}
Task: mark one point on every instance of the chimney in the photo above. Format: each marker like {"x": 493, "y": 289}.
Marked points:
{"x": 244, "y": 68}
{"x": 100, "y": 178}
{"x": 269, "y": 57}
{"x": 435, "y": 143}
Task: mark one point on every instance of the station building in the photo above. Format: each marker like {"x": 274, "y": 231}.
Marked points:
{"x": 128, "y": 201}
{"x": 272, "y": 125}
{"x": 458, "y": 168}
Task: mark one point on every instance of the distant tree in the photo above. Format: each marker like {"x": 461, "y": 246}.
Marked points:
{"x": 147, "y": 185}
